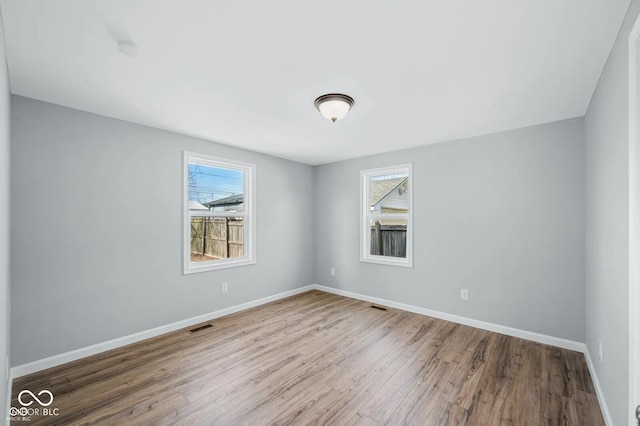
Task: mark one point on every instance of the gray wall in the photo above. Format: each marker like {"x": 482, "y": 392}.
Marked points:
{"x": 4, "y": 223}
{"x": 97, "y": 230}
{"x": 607, "y": 229}
{"x": 501, "y": 215}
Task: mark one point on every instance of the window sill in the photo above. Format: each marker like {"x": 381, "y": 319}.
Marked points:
{"x": 384, "y": 260}
{"x": 192, "y": 268}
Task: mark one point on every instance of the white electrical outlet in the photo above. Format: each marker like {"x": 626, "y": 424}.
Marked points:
{"x": 600, "y": 350}
{"x": 224, "y": 288}
{"x": 464, "y": 294}
{"x": 333, "y": 272}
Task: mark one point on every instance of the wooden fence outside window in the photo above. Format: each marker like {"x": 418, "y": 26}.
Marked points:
{"x": 217, "y": 237}
{"x": 389, "y": 240}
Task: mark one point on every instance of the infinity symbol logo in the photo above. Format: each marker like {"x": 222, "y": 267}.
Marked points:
{"x": 26, "y": 404}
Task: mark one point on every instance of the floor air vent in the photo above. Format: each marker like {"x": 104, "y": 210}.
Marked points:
{"x": 202, "y": 327}
{"x": 379, "y": 307}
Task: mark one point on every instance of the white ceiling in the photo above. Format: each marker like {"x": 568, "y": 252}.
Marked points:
{"x": 246, "y": 73}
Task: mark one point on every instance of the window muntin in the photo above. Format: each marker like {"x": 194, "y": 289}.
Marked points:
{"x": 219, "y": 213}
{"x": 386, "y": 224}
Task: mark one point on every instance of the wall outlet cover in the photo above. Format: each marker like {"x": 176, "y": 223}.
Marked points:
{"x": 464, "y": 294}
{"x": 600, "y": 350}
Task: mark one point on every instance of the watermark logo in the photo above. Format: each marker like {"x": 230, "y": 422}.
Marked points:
{"x": 35, "y": 398}
{"x": 27, "y": 399}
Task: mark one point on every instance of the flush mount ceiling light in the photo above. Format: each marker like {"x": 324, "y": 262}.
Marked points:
{"x": 334, "y": 106}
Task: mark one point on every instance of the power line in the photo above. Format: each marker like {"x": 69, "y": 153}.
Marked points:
{"x": 215, "y": 175}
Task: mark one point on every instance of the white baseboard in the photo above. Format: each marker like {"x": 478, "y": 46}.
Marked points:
{"x": 522, "y": 334}
{"x": 596, "y": 383}
{"x": 74, "y": 355}
{"x": 8, "y": 402}
{"x": 32, "y": 367}
{"x": 43, "y": 364}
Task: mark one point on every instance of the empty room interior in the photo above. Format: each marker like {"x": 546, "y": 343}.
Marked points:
{"x": 370, "y": 213}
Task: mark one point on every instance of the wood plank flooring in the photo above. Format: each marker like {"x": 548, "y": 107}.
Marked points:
{"x": 318, "y": 358}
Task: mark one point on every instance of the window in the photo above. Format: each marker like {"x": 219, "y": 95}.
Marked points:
{"x": 219, "y": 213}
{"x": 387, "y": 227}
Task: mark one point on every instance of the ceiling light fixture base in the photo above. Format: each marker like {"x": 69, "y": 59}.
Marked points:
{"x": 128, "y": 47}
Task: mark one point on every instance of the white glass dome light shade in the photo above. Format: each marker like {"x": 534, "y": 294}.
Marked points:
{"x": 334, "y": 106}
{"x": 334, "y": 110}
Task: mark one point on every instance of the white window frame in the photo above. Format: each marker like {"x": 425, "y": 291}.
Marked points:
{"x": 248, "y": 213}
{"x": 367, "y": 215}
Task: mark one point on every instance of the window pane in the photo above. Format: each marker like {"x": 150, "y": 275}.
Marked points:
{"x": 389, "y": 193}
{"x": 215, "y": 238}
{"x": 386, "y": 212}
{"x": 388, "y": 237}
{"x": 215, "y": 189}
{"x": 219, "y": 200}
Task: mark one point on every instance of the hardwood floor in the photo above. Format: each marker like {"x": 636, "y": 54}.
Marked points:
{"x": 318, "y": 358}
